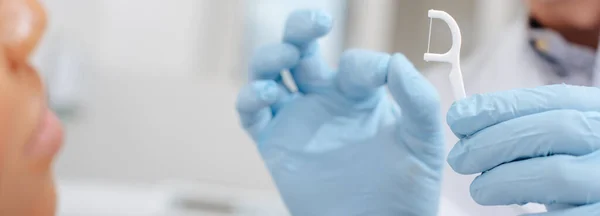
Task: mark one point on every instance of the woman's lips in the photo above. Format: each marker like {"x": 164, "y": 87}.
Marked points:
{"x": 48, "y": 137}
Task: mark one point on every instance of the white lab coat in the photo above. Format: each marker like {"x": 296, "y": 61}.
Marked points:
{"x": 500, "y": 65}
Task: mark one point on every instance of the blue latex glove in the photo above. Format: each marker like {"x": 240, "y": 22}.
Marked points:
{"x": 340, "y": 145}
{"x": 536, "y": 145}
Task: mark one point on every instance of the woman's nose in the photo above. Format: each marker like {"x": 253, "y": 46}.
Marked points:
{"x": 22, "y": 23}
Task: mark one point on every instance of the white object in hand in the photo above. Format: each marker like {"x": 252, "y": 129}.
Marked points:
{"x": 452, "y": 56}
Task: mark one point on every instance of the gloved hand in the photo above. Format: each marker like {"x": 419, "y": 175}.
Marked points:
{"x": 341, "y": 145}
{"x": 537, "y": 145}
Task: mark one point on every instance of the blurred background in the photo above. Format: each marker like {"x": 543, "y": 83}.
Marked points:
{"x": 146, "y": 90}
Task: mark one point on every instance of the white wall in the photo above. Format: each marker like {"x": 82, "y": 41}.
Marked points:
{"x": 158, "y": 100}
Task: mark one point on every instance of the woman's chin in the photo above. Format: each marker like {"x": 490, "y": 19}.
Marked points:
{"x": 40, "y": 153}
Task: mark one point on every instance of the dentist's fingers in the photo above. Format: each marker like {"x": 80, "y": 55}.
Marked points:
{"x": 267, "y": 64}
{"x": 302, "y": 29}
{"x": 416, "y": 96}
{"x": 420, "y": 109}
{"x": 558, "y": 179}
{"x": 361, "y": 73}
{"x": 268, "y": 61}
{"x": 567, "y": 132}
{"x": 475, "y": 113}
{"x": 253, "y": 105}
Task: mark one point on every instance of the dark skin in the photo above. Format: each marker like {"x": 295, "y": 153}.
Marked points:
{"x": 578, "y": 21}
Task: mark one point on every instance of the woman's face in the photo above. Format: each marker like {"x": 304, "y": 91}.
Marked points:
{"x": 30, "y": 135}
{"x": 583, "y": 15}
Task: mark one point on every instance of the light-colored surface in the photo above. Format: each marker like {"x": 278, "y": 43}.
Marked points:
{"x": 154, "y": 107}
{"x": 105, "y": 198}
{"x": 491, "y": 14}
